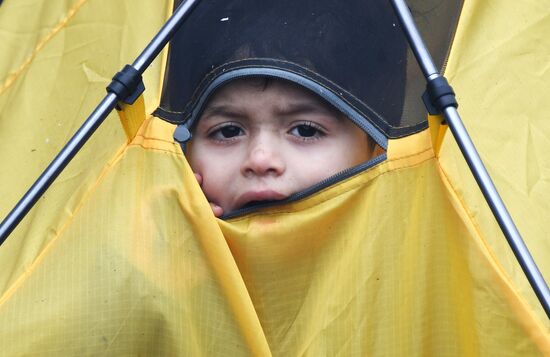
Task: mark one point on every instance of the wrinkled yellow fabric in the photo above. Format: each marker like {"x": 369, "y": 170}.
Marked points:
{"x": 332, "y": 274}
{"x": 499, "y": 68}
{"x": 124, "y": 257}
{"x": 56, "y": 60}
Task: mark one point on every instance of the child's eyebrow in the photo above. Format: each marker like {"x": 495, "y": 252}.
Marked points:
{"x": 305, "y": 107}
{"x": 223, "y": 111}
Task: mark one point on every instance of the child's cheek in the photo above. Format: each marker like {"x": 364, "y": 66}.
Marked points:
{"x": 211, "y": 189}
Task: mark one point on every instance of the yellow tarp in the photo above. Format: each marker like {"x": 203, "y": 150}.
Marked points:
{"x": 124, "y": 257}
{"x": 500, "y": 68}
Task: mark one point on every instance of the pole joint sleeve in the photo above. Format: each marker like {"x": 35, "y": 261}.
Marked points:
{"x": 438, "y": 95}
{"x": 127, "y": 85}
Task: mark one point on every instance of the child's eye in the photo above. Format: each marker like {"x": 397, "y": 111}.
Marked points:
{"x": 307, "y": 131}
{"x": 226, "y": 132}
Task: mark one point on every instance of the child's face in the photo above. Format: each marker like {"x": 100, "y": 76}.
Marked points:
{"x": 255, "y": 143}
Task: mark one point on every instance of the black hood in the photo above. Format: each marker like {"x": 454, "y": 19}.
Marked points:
{"x": 352, "y": 53}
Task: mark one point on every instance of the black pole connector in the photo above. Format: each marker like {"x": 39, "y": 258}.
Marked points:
{"x": 438, "y": 96}
{"x": 127, "y": 85}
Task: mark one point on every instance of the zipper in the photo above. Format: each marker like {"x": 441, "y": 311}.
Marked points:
{"x": 342, "y": 175}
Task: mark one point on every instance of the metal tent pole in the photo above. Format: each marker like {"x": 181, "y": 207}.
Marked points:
{"x": 126, "y": 86}
{"x": 474, "y": 161}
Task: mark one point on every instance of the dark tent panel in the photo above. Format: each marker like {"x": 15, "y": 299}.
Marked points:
{"x": 353, "y": 54}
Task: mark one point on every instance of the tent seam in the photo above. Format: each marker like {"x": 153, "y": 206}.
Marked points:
{"x": 10, "y": 80}
{"x": 495, "y": 263}
{"x": 141, "y": 145}
{"x": 473, "y": 221}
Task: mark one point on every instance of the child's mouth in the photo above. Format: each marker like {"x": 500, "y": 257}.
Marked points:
{"x": 257, "y": 198}
{"x": 252, "y": 204}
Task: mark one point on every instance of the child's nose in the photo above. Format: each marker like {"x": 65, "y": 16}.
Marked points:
{"x": 263, "y": 159}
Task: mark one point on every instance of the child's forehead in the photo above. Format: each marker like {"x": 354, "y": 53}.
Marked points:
{"x": 287, "y": 95}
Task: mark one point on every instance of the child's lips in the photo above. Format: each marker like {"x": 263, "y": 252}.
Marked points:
{"x": 257, "y": 196}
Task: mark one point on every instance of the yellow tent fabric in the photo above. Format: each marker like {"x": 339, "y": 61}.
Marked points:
{"x": 124, "y": 257}
{"x": 501, "y": 75}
